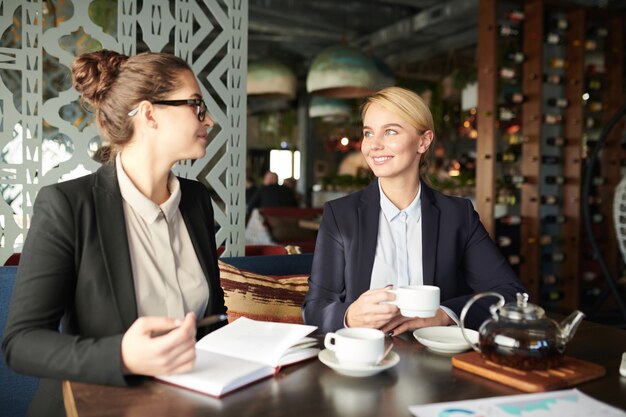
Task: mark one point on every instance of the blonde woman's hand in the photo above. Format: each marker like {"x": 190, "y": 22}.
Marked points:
{"x": 401, "y": 324}
{"x": 171, "y": 353}
{"x": 370, "y": 309}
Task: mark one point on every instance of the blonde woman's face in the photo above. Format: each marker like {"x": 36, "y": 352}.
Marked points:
{"x": 391, "y": 146}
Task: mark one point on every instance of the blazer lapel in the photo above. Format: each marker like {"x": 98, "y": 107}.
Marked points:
{"x": 114, "y": 242}
{"x": 368, "y": 212}
{"x": 196, "y": 221}
{"x": 430, "y": 234}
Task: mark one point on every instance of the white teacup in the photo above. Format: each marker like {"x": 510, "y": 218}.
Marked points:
{"x": 356, "y": 345}
{"x": 417, "y": 300}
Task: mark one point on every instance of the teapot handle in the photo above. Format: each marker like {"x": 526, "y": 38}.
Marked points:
{"x": 492, "y": 309}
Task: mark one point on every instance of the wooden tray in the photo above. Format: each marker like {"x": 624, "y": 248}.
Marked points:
{"x": 572, "y": 372}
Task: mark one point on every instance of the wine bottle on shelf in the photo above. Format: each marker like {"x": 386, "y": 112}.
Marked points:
{"x": 515, "y": 139}
{"x": 597, "y": 32}
{"x": 549, "y": 200}
{"x": 558, "y": 23}
{"x": 594, "y": 84}
{"x": 554, "y": 179}
{"x": 553, "y": 78}
{"x": 506, "y": 114}
{"x": 514, "y": 98}
{"x": 555, "y": 295}
{"x": 507, "y": 156}
{"x": 504, "y": 241}
{"x": 554, "y": 219}
{"x": 553, "y": 38}
{"x": 554, "y": 257}
{"x": 591, "y": 45}
{"x": 506, "y": 199}
{"x": 556, "y": 141}
{"x": 551, "y": 159}
{"x": 592, "y": 123}
{"x": 545, "y": 240}
{"x": 508, "y": 73}
{"x": 515, "y": 259}
{"x": 514, "y": 15}
{"x": 594, "y": 106}
{"x": 598, "y": 181}
{"x": 594, "y": 200}
{"x": 589, "y": 276}
{"x": 552, "y": 119}
{"x": 550, "y": 279}
{"x": 593, "y": 69}
{"x": 556, "y": 63}
{"x": 510, "y": 220}
{"x": 559, "y": 102}
{"x": 517, "y": 57}
{"x": 514, "y": 179}
{"x": 508, "y": 31}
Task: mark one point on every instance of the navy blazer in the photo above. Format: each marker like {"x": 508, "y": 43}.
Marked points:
{"x": 458, "y": 256}
{"x": 75, "y": 273}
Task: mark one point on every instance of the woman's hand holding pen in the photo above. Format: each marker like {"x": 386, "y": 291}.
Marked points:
{"x": 369, "y": 310}
{"x": 173, "y": 352}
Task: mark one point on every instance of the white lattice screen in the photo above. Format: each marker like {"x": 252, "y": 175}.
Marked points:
{"x": 46, "y": 136}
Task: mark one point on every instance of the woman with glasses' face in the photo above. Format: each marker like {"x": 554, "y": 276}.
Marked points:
{"x": 174, "y": 128}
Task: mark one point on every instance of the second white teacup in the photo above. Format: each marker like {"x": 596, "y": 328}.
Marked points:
{"x": 417, "y": 300}
{"x": 356, "y": 345}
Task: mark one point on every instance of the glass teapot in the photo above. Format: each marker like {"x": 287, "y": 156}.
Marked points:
{"x": 519, "y": 335}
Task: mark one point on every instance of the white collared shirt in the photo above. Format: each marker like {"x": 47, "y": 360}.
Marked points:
{"x": 168, "y": 278}
{"x": 398, "y": 259}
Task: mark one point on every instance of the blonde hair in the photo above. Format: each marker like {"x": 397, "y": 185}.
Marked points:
{"x": 409, "y": 107}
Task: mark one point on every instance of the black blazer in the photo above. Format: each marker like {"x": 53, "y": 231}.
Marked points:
{"x": 75, "y": 272}
{"x": 458, "y": 256}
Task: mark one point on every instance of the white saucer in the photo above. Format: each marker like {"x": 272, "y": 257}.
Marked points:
{"x": 328, "y": 358}
{"x": 445, "y": 339}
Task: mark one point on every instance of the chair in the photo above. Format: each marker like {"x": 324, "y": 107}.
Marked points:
{"x": 14, "y": 260}
{"x": 259, "y": 250}
{"x": 283, "y": 226}
{"x": 16, "y": 391}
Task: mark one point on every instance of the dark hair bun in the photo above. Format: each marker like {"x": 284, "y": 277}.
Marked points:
{"x": 94, "y": 73}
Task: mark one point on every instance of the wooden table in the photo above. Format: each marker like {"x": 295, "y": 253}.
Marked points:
{"x": 312, "y": 389}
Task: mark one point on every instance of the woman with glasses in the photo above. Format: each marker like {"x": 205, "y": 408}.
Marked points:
{"x": 118, "y": 264}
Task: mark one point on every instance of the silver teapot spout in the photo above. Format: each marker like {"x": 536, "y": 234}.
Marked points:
{"x": 568, "y": 326}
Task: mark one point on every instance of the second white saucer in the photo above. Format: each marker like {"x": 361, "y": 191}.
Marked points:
{"x": 445, "y": 339}
{"x": 327, "y": 357}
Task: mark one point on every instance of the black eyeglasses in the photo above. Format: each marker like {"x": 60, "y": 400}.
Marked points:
{"x": 197, "y": 102}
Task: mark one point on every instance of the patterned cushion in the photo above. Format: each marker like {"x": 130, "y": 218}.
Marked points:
{"x": 263, "y": 297}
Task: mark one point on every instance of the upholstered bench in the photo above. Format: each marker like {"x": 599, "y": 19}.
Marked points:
{"x": 270, "y": 288}
{"x": 16, "y": 391}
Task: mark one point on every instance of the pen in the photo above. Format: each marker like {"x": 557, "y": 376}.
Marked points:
{"x": 206, "y": 321}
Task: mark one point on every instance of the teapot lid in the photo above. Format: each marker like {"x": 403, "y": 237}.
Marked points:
{"x": 521, "y": 309}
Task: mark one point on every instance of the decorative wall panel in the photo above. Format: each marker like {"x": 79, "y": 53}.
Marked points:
{"x": 45, "y": 134}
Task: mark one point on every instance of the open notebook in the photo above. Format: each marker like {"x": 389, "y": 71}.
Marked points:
{"x": 242, "y": 352}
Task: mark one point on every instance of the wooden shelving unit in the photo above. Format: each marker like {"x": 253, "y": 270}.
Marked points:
{"x": 538, "y": 261}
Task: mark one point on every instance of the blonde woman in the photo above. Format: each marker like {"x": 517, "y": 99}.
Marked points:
{"x": 398, "y": 231}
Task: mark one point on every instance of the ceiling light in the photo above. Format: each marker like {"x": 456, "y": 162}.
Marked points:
{"x": 342, "y": 72}
{"x": 271, "y": 79}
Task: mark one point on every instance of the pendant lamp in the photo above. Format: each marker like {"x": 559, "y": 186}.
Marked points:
{"x": 385, "y": 74}
{"x": 329, "y": 108}
{"x": 342, "y": 72}
{"x": 271, "y": 79}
